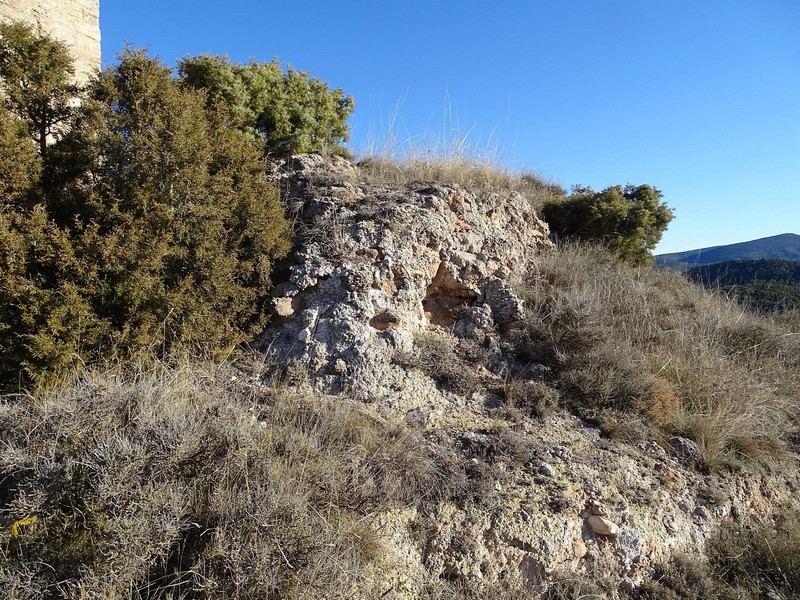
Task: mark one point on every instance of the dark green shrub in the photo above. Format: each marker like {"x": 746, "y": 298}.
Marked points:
{"x": 150, "y": 227}
{"x": 290, "y": 111}
{"x": 629, "y": 221}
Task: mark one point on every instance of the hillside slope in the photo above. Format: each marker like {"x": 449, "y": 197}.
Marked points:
{"x": 445, "y": 405}
{"x": 780, "y": 247}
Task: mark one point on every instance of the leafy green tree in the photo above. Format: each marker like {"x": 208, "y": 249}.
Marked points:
{"x": 37, "y": 73}
{"x": 629, "y": 221}
{"x": 290, "y": 111}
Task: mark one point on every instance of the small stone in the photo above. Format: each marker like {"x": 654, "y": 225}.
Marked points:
{"x": 545, "y": 469}
{"x": 670, "y": 523}
{"x": 373, "y": 253}
{"x": 304, "y": 335}
{"x": 417, "y": 417}
{"x": 596, "y": 508}
{"x": 385, "y": 320}
{"x": 340, "y": 366}
{"x": 602, "y": 526}
{"x": 283, "y": 307}
{"x": 579, "y": 549}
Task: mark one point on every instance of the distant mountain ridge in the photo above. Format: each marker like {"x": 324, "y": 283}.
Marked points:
{"x": 785, "y": 246}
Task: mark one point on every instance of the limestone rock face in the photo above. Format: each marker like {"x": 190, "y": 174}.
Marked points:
{"x": 374, "y": 264}
{"x": 74, "y": 22}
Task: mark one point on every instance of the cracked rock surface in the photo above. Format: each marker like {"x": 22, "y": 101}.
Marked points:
{"x": 373, "y": 265}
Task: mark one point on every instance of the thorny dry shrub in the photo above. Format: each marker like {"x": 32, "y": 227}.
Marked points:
{"x": 534, "y": 397}
{"x": 640, "y": 340}
{"x": 577, "y": 586}
{"x": 186, "y": 483}
{"x": 758, "y": 557}
{"x": 439, "y": 357}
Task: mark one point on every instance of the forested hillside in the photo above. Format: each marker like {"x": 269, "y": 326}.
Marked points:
{"x": 765, "y": 285}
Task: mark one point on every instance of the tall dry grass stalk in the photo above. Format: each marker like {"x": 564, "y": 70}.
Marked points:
{"x": 451, "y": 158}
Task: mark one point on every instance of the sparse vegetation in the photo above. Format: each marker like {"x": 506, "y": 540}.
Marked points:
{"x": 452, "y": 161}
{"x": 435, "y": 354}
{"x": 188, "y": 482}
{"x": 752, "y": 560}
{"x": 471, "y": 172}
{"x": 535, "y": 397}
{"x": 627, "y": 340}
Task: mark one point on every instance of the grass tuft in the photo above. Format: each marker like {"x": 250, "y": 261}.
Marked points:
{"x": 453, "y": 161}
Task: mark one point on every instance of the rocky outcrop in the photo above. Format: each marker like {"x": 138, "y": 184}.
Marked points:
{"x": 76, "y": 23}
{"x": 374, "y": 265}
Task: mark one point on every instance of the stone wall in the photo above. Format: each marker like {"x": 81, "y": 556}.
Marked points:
{"x": 75, "y": 22}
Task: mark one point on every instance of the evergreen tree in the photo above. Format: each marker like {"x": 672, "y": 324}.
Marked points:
{"x": 290, "y": 111}
{"x": 629, "y": 221}
{"x": 37, "y": 73}
{"x": 149, "y": 226}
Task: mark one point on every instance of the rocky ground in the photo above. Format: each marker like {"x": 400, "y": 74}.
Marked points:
{"x": 406, "y": 299}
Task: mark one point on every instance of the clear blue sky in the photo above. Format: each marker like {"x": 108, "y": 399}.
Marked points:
{"x": 699, "y": 98}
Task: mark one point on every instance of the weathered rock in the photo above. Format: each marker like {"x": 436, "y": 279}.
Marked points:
{"x": 374, "y": 265}
{"x": 545, "y": 469}
{"x": 372, "y": 269}
{"x": 602, "y": 526}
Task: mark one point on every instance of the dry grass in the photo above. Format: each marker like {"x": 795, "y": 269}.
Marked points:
{"x": 746, "y": 560}
{"x": 438, "y": 356}
{"x": 183, "y": 483}
{"x": 536, "y": 398}
{"x": 621, "y": 339}
{"x": 453, "y": 161}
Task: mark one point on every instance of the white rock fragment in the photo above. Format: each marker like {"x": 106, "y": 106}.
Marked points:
{"x": 602, "y": 526}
